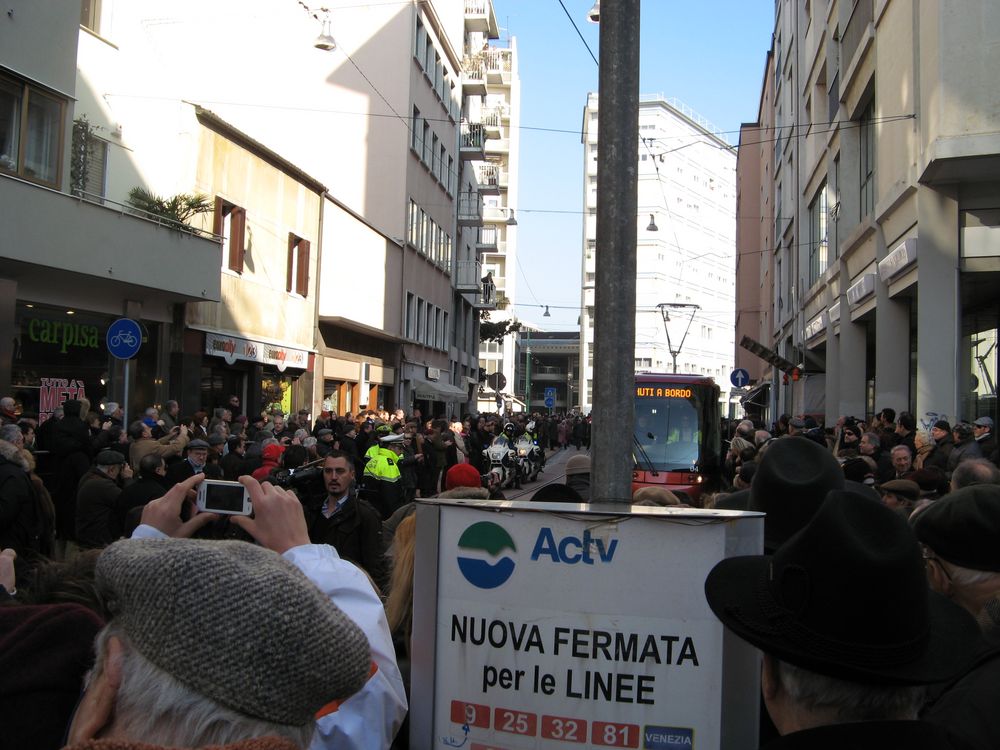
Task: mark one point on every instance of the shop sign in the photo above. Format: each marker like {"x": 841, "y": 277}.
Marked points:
{"x": 816, "y": 326}
{"x": 900, "y": 258}
{"x": 63, "y": 334}
{"x": 232, "y": 348}
{"x": 864, "y": 287}
{"x": 54, "y": 392}
{"x": 540, "y": 640}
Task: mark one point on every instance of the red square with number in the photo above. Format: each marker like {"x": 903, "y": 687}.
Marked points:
{"x": 473, "y": 714}
{"x": 564, "y": 729}
{"x": 515, "y": 722}
{"x": 609, "y": 734}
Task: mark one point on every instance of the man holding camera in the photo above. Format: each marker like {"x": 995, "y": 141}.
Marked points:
{"x": 295, "y": 673}
{"x": 143, "y": 443}
{"x": 344, "y": 521}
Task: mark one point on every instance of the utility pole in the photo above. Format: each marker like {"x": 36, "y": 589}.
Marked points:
{"x": 665, "y": 308}
{"x": 615, "y": 266}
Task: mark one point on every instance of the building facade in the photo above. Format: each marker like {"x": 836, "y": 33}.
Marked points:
{"x": 74, "y": 257}
{"x": 685, "y": 249}
{"x": 885, "y": 248}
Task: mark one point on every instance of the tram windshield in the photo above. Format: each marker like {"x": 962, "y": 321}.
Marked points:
{"x": 669, "y": 429}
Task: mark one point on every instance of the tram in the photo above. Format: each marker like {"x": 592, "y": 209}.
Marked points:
{"x": 676, "y": 441}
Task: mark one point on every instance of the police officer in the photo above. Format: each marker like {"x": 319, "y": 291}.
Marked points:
{"x": 382, "y": 479}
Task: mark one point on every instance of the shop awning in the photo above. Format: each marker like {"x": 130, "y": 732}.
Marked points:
{"x": 431, "y": 391}
{"x": 757, "y": 395}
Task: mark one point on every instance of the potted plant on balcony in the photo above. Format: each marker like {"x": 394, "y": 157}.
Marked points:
{"x": 176, "y": 210}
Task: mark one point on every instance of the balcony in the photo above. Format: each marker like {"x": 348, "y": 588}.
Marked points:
{"x": 467, "y": 275}
{"x": 472, "y": 141}
{"x": 480, "y": 17}
{"x": 470, "y": 210}
{"x": 856, "y": 30}
{"x": 488, "y": 177}
{"x": 498, "y": 146}
{"x": 492, "y": 122}
{"x": 56, "y": 236}
{"x": 496, "y": 215}
{"x": 503, "y": 179}
{"x": 499, "y": 65}
{"x": 486, "y": 242}
{"x": 474, "y": 75}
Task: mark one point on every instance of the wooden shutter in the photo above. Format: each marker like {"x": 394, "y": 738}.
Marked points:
{"x": 302, "y": 282}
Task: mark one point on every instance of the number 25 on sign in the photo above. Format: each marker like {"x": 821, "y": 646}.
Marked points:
{"x": 609, "y": 734}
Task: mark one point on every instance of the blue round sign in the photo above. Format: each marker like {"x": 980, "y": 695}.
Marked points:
{"x": 124, "y": 338}
{"x": 739, "y": 377}
{"x": 550, "y": 402}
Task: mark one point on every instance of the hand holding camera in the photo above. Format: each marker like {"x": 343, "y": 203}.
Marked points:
{"x": 164, "y": 513}
{"x": 279, "y": 522}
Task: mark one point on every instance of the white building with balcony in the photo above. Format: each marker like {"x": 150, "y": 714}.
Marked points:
{"x": 686, "y": 244}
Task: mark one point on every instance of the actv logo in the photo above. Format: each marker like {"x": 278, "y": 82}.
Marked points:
{"x": 478, "y": 546}
{"x": 572, "y": 550}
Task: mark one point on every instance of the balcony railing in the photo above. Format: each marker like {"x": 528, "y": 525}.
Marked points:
{"x": 499, "y": 64}
{"x": 467, "y": 275}
{"x": 488, "y": 177}
{"x": 477, "y": 7}
{"x": 474, "y": 74}
{"x": 496, "y": 214}
{"x": 498, "y": 145}
{"x": 487, "y": 239}
{"x": 472, "y": 141}
{"x": 470, "y": 209}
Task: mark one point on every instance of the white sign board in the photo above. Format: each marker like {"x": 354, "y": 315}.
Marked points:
{"x": 555, "y": 626}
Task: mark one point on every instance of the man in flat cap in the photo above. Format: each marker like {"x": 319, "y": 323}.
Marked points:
{"x": 960, "y": 535}
{"x": 849, "y": 630}
{"x": 900, "y": 495}
{"x": 281, "y": 646}
{"x": 97, "y": 520}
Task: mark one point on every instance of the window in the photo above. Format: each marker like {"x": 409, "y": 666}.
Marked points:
{"x": 411, "y": 318}
{"x": 441, "y": 174}
{"x": 88, "y": 164}
{"x": 297, "y": 279}
{"x": 231, "y": 223}
{"x": 419, "y": 42}
{"x": 31, "y": 132}
{"x": 867, "y": 159}
{"x": 414, "y": 222}
{"x": 450, "y": 178}
{"x": 435, "y": 161}
{"x": 818, "y": 234}
{"x": 415, "y": 130}
{"x": 90, "y": 15}
{"x": 420, "y": 320}
{"x": 427, "y": 144}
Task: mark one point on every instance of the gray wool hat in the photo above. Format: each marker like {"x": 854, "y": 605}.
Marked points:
{"x": 236, "y": 623}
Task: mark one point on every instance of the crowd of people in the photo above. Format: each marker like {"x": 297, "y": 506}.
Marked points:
{"x": 869, "y": 530}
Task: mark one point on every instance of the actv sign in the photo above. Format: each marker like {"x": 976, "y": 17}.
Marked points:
{"x": 487, "y": 552}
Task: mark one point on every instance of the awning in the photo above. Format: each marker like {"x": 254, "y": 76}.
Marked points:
{"x": 757, "y": 395}
{"x": 768, "y": 355}
{"x": 431, "y": 391}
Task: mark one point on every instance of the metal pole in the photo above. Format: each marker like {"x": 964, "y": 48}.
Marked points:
{"x": 527, "y": 379}
{"x": 615, "y": 263}
{"x": 125, "y": 399}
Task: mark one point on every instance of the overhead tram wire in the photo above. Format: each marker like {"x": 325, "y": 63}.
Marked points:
{"x": 579, "y": 34}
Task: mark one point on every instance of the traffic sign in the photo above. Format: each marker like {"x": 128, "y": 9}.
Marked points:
{"x": 124, "y": 337}
{"x": 739, "y": 377}
{"x": 550, "y": 393}
{"x": 549, "y": 402}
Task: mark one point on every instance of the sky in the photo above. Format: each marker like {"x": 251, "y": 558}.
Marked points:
{"x": 709, "y": 55}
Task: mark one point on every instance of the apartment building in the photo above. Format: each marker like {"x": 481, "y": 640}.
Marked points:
{"x": 368, "y": 116}
{"x": 493, "y": 107}
{"x": 685, "y": 249}
{"x": 885, "y": 258}
{"x": 74, "y": 257}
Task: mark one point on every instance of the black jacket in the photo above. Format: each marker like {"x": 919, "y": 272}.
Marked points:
{"x": 870, "y": 735}
{"x": 96, "y": 501}
{"x": 355, "y": 531}
{"x": 22, "y": 522}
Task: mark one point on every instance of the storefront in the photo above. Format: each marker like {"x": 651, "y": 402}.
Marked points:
{"x": 265, "y": 375}
{"x": 60, "y": 354}
{"x": 349, "y": 386}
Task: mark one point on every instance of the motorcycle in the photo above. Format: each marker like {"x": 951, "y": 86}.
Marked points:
{"x": 528, "y": 458}
{"x": 502, "y": 462}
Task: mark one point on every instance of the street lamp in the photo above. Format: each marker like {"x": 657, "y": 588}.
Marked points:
{"x": 665, "y": 308}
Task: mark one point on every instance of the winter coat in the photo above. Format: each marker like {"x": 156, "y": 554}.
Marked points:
{"x": 355, "y": 531}
{"x": 96, "y": 502}
{"x": 23, "y": 523}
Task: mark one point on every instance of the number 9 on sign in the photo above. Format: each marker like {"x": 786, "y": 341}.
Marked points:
{"x": 473, "y": 714}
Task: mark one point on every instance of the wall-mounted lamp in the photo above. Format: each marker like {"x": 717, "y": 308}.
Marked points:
{"x": 594, "y": 14}
{"x": 511, "y": 221}
{"x": 652, "y": 224}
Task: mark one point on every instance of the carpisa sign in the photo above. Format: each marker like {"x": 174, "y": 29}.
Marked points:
{"x": 554, "y": 627}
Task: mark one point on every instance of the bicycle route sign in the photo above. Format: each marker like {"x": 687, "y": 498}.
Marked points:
{"x": 124, "y": 338}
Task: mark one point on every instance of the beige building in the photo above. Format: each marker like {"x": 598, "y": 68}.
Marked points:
{"x": 334, "y": 165}
{"x": 74, "y": 257}
{"x": 885, "y": 259}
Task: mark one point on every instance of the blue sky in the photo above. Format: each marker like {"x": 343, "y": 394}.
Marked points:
{"x": 710, "y": 55}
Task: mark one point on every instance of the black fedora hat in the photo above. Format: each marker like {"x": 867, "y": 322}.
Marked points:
{"x": 846, "y": 597}
{"x": 789, "y": 485}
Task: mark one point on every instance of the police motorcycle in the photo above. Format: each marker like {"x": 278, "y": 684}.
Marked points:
{"x": 502, "y": 459}
{"x": 529, "y": 455}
